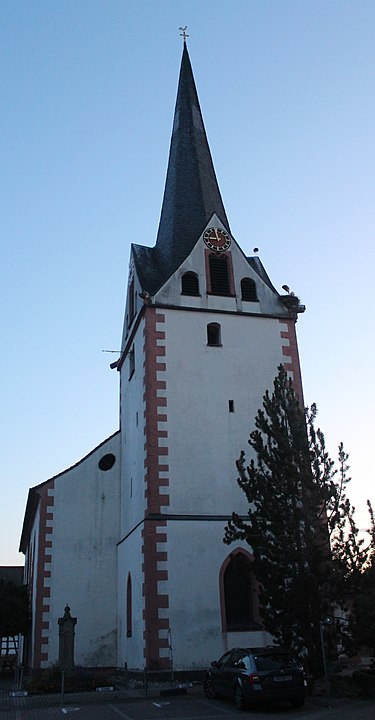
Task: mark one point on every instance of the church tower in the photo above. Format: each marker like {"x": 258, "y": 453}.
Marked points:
{"x": 204, "y": 334}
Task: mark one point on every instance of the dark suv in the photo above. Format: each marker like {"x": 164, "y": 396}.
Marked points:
{"x": 253, "y": 675}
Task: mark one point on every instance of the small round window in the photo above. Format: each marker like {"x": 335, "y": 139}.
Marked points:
{"x": 107, "y": 461}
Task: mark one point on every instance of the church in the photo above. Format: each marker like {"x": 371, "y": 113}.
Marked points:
{"x": 131, "y": 536}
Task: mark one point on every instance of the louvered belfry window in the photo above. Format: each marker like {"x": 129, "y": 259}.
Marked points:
{"x": 219, "y": 274}
{"x": 248, "y": 289}
{"x": 189, "y": 284}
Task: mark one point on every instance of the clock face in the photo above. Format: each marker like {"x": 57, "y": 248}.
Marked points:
{"x": 217, "y": 239}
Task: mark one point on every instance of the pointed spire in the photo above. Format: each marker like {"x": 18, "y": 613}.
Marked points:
{"x": 191, "y": 194}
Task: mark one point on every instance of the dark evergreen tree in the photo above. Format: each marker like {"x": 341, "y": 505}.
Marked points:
{"x": 361, "y": 596}
{"x": 298, "y": 517}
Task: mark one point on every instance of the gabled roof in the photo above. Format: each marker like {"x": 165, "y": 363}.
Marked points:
{"x": 258, "y": 266}
{"x": 191, "y": 194}
{"x": 35, "y": 492}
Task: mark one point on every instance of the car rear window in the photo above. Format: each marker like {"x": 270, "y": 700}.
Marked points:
{"x": 275, "y": 661}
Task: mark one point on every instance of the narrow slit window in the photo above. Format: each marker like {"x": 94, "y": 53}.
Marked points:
{"x": 132, "y": 301}
{"x": 131, "y": 362}
{"x": 129, "y": 613}
{"x": 231, "y": 405}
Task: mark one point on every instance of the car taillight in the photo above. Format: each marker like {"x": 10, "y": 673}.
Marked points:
{"x": 254, "y": 678}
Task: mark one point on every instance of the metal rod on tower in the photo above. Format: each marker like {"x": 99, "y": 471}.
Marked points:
{"x": 184, "y": 33}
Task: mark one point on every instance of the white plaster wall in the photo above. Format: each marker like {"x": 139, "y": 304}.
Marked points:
{"x": 194, "y": 594}
{"x": 83, "y": 560}
{"x": 132, "y": 428}
{"x": 204, "y": 438}
{"x": 130, "y": 559}
{"x": 204, "y": 442}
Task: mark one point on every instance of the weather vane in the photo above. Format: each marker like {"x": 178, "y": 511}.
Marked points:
{"x": 183, "y": 33}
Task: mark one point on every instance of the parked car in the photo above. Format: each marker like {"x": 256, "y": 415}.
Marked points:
{"x": 254, "y": 675}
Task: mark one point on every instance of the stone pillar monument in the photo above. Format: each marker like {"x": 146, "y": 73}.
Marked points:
{"x": 66, "y": 640}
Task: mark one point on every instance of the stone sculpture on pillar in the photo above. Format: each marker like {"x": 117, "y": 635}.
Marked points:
{"x": 66, "y": 640}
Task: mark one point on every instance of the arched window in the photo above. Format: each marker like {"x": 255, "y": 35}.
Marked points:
{"x": 129, "y": 618}
{"x": 248, "y": 289}
{"x": 239, "y": 594}
{"x": 219, "y": 274}
{"x": 213, "y": 334}
{"x": 190, "y": 284}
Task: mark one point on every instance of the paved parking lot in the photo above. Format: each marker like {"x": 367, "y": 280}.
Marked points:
{"x": 133, "y": 705}
{"x": 192, "y": 706}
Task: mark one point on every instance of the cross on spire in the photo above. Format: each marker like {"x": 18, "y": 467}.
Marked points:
{"x": 184, "y": 33}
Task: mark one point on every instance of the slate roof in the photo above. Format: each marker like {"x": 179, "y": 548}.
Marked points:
{"x": 191, "y": 194}
{"x": 258, "y": 266}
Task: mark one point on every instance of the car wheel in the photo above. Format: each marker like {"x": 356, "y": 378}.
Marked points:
{"x": 209, "y": 691}
{"x": 239, "y": 698}
{"x": 297, "y": 702}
